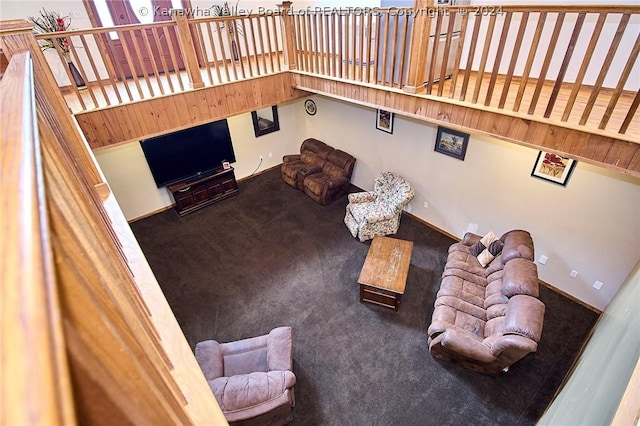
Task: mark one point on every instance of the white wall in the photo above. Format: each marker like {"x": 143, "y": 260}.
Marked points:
{"x": 612, "y": 354}
{"x": 591, "y": 225}
{"x": 130, "y": 179}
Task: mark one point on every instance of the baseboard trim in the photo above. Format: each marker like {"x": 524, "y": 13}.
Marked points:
{"x": 146, "y": 215}
{"x": 435, "y": 228}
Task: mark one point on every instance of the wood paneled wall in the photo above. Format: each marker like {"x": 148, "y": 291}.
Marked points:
{"x": 156, "y": 116}
{"x": 592, "y": 148}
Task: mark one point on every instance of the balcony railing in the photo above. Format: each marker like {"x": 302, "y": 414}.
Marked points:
{"x": 135, "y": 62}
{"x": 576, "y": 66}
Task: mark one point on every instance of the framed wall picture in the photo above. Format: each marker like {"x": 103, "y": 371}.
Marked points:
{"x": 452, "y": 142}
{"x": 384, "y": 121}
{"x": 265, "y": 121}
{"x": 554, "y": 168}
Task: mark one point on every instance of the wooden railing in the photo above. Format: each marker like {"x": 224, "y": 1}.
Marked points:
{"x": 577, "y": 68}
{"x": 85, "y": 327}
{"x": 111, "y": 66}
{"x": 35, "y": 384}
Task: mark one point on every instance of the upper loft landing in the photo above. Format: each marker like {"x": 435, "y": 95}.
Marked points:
{"x": 562, "y": 79}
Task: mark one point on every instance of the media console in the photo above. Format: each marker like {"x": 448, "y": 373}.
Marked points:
{"x": 195, "y": 194}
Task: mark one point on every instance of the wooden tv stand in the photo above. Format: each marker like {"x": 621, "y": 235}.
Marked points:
{"x": 196, "y": 194}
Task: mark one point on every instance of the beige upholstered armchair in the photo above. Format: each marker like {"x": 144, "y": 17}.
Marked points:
{"x": 378, "y": 212}
{"x": 252, "y": 379}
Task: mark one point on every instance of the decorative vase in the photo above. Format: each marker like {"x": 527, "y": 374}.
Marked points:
{"x": 75, "y": 74}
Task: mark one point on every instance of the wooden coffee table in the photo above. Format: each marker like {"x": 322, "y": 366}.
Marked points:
{"x": 384, "y": 275}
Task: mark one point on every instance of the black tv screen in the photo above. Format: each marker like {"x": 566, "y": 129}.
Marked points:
{"x": 188, "y": 153}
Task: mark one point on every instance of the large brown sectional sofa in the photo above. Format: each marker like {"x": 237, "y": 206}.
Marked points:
{"x": 486, "y": 318}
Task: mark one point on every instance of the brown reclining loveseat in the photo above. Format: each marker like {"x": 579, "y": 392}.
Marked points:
{"x": 322, "y": 172}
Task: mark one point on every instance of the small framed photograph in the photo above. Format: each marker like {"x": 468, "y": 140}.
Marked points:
{"x": 226, "y": 165}
{"x": 554, "y": 168}
{"x": 384, "y": 121}
{"x": 452, "y": 142}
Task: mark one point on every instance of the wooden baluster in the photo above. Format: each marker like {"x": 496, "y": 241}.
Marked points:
{"x": 299, "y": 43}
{"x": 621, "y": 83}
{"x": 246, "y": 46}
{"x": 132, "y": 66}
{"x": 352, "y": 50}
{"x": 394, "y": 44}
{"x": 273, "y": 55}
{"x": 163, "y": 62}
{"x": 140, "y": 56}
{"x": 340, "y": 40}
{"x": 496, "y": 64}
{"x": 187, "y": 49}
{"x": 532, "y": 55}
{"x": 254, "y": 45}
{"x": 447, "y": 48}
{"x": 632, "y": 111}
{"x": 430, "y": 77}
{"x": 524, "y": 20}
{"x": 219, "y": 28}
{"x": 201, "y": 49}
{"x": 370, "y": 46}
{"x": 605, "y": 68}
{"x": 214, "y": 55}
{"x": 547, "y": 61}
{"x": 94, "y": 68}
{"x": 401, "y": 66}
{"x": 483, "y": 59}
{"x": 261, "y": 38}
{"x": 565, "y": 64}
{"x": 595, "y": 36}
{"x": 385, "y": 41}
{"x": 361, "y": 50}
{"x": 456, "y": 65}
{"x": 80, "y": 68}
{"x": 470, "y": 57}
{"x": 315, "y": 35}
{"x": 321, "y": 37}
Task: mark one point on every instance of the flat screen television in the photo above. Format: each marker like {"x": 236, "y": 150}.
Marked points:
{"x": 188, "y": 154}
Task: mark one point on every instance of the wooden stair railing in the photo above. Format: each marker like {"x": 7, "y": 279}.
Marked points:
{"x": 35, "y": 384}
{"x": 87, "y": 336}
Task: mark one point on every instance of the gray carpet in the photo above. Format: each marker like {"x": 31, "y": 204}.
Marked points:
{"x": 271, "y": 256}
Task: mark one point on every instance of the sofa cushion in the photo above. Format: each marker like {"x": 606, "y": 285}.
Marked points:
{"x": 247, "y": 390}
{"x": 520, "y": 277}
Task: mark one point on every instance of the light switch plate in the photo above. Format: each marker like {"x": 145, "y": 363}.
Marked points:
{"x": 543, "y": 259}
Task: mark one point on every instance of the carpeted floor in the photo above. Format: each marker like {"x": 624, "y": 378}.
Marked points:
{"x": 271, "y": 256}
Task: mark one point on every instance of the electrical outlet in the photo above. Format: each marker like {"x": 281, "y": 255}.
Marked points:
{"x": 270, "y": 154}
{"x": 543, "y": 259}
{"x": 426, "y": 205}
{"x": 573, "y": 273}
{"x": 598, "y": 285}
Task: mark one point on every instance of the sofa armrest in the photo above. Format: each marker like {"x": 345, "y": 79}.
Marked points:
{"x": 279, "y": 349}
{"x": 209, "y": 357}
{"x": 460, "y": 342}
{"x": 470, "y": 238}
{"x": 290, "y": 157}
{"x": 514, "y": 345}
{"x": 362, "y": 197}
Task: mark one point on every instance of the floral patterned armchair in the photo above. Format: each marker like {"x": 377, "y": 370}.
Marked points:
{"x": 378, "y": 212}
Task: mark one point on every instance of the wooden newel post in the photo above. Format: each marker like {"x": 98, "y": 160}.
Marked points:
{"x": 188, "y": 49}
{"x": 419, "y": 46}
{"x": 288, "y": 35}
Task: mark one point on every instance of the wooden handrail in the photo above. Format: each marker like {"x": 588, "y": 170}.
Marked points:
{"x": 35, "y": 383}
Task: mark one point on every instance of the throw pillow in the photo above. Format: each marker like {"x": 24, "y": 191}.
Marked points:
{"x": 490, "y": 253}
{"x": 481, "y": 245}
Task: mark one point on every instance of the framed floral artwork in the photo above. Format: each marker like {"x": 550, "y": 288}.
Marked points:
{"x": 553, "y": 167}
